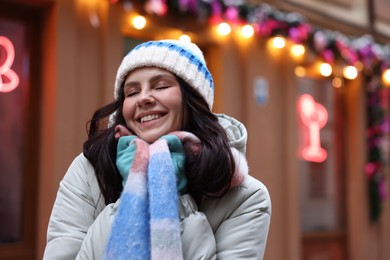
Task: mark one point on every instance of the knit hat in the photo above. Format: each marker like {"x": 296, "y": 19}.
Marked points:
{"x": 184, "y": 59}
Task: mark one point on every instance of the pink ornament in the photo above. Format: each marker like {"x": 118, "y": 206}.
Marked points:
{"x": 231, "y": 14}
{"x": 216, "y": 8}
{"x": 293, "y": 33}
{"x": 304, "y": 30}
{"x": 347, "y": 52}
{"x": 158, "y": 7}
{"x": 263, "y": 30}
{"x": 328, "y": 56}
{"x": 188, "y": 5}
{"x": 266, "y": 28}
{"x": 320, "y": 41}
{"x": 352, "y": 56}
{"x": 299, "y": 34}
{"x": 370, "y": 169}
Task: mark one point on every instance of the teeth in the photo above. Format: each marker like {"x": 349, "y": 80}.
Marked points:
{"x": 150, "y": 118}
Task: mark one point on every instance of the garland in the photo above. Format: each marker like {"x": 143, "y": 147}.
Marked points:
{"x": 378, "y": 127}
{"x": 331, "y": 46}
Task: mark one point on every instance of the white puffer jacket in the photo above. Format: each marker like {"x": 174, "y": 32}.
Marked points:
{"x": 232, "y": 227}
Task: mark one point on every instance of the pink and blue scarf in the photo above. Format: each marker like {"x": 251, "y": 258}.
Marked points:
{"x": 147, "y": 223}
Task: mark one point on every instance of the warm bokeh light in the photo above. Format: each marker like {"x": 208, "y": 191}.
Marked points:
{"x": 247, "y": 31}
{"x": 359, "y": 66}
{"x": 300, "y": 71}
{"x": 279, "y": 42}
{"x": 185, "y": 38}
{"x": 337, "y": 82}
{"x": 223, "y": 29}
{"x": 298, "y": 50}
{"x": 386, "y": 77}
{"x": 325, "y": 69}
{"x": 139, "y": 22}
{"x": 350, "y": 72}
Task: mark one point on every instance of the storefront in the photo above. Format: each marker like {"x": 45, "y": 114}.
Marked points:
{"x": 316, "y": 140}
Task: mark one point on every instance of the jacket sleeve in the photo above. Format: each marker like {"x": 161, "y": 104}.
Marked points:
{"x": 243, "y": 231}
{"x": 198, "y": 239}
{"x": 95, "y": 241}
{"x": 77, "y": 205}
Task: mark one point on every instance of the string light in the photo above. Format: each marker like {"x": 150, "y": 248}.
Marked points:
{"x": 325, "y": 69}
{"x": 185, "y": 38}
{"x": 247, "y": 31}
{"x": 300, "y": 71}
{"x": 279, "y": 42}
{"x": 350, "y": 72}
{"x": 139, "y": 22}
{"x": 223, "y": 29}
{"x": 298, "y": 50}
{"x": 337, "y": 82}
{"x": 386, "y": 77}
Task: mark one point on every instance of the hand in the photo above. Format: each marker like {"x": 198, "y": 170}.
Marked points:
{"x": 120, "y": 131}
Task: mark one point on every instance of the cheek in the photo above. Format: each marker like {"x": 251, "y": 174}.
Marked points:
{"x": 128, "y": 109}
{"x": 181, "y": 113}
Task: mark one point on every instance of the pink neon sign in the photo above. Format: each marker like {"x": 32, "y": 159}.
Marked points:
{"x": 313, "y": 117}
{"x": 7, "y": 55}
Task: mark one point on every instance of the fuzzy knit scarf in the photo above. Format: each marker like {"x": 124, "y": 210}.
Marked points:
{"x": 147, "y": 224}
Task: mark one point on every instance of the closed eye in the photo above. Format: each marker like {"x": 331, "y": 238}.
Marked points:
{"x": 131, "y": 93}
{"x": 162, "y": 87}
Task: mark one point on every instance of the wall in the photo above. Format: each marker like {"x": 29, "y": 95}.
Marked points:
{"x": 79, "y": 67}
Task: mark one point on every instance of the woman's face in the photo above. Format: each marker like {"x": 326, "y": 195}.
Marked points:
{"x": 153, "y": 104}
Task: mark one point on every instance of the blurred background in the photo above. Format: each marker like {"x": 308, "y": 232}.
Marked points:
{"x": 309, "y": 79}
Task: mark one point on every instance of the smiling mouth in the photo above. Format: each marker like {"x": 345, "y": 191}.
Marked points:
{"x": 150, "y": 118}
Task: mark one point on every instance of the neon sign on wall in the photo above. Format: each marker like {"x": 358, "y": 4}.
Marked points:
{"x": 9, "y": 80}
{"x": 313, "y": 117}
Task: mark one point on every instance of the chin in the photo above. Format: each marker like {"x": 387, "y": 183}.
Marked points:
{"x": 150, "y": 139}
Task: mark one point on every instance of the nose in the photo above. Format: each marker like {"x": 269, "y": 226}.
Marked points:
{"x": 145, "y": 98}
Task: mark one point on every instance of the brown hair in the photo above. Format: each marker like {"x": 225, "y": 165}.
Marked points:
{"x": 209, "y": 173}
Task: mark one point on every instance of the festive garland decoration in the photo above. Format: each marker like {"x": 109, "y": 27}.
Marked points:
{"x": 331, "y": 46}
{"x": 377, "y": 128}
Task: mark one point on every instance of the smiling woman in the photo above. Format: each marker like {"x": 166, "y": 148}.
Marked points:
{"x": 167, "y": 178}
{"x": 153, "y": 103}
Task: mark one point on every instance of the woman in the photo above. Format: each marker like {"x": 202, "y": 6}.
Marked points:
{"x": 164, "y": 177}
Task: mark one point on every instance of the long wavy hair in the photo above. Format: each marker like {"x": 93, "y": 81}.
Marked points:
{"x": 209, "y": 173}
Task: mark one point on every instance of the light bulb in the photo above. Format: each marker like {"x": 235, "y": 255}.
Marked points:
{"x": 325, "y": 69}
{"x": 350, "y": 72}
{"x": 300, "y": 71}
{"x": 224, "y": 29}
{"x": 297, "y": 50}
{"x": 337, "y": 82}
{"x": 247, "y": 31}
{"x": 279, "y": 42}
{"x": 139, "y": 22}
{"x": 386, "y": 76}
{"x": 185, "y": 38}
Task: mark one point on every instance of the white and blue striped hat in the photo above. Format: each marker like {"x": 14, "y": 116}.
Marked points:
{"x": 183, "y": 59}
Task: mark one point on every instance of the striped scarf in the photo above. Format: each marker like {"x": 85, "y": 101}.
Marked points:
{"x": 147, "y": 223}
